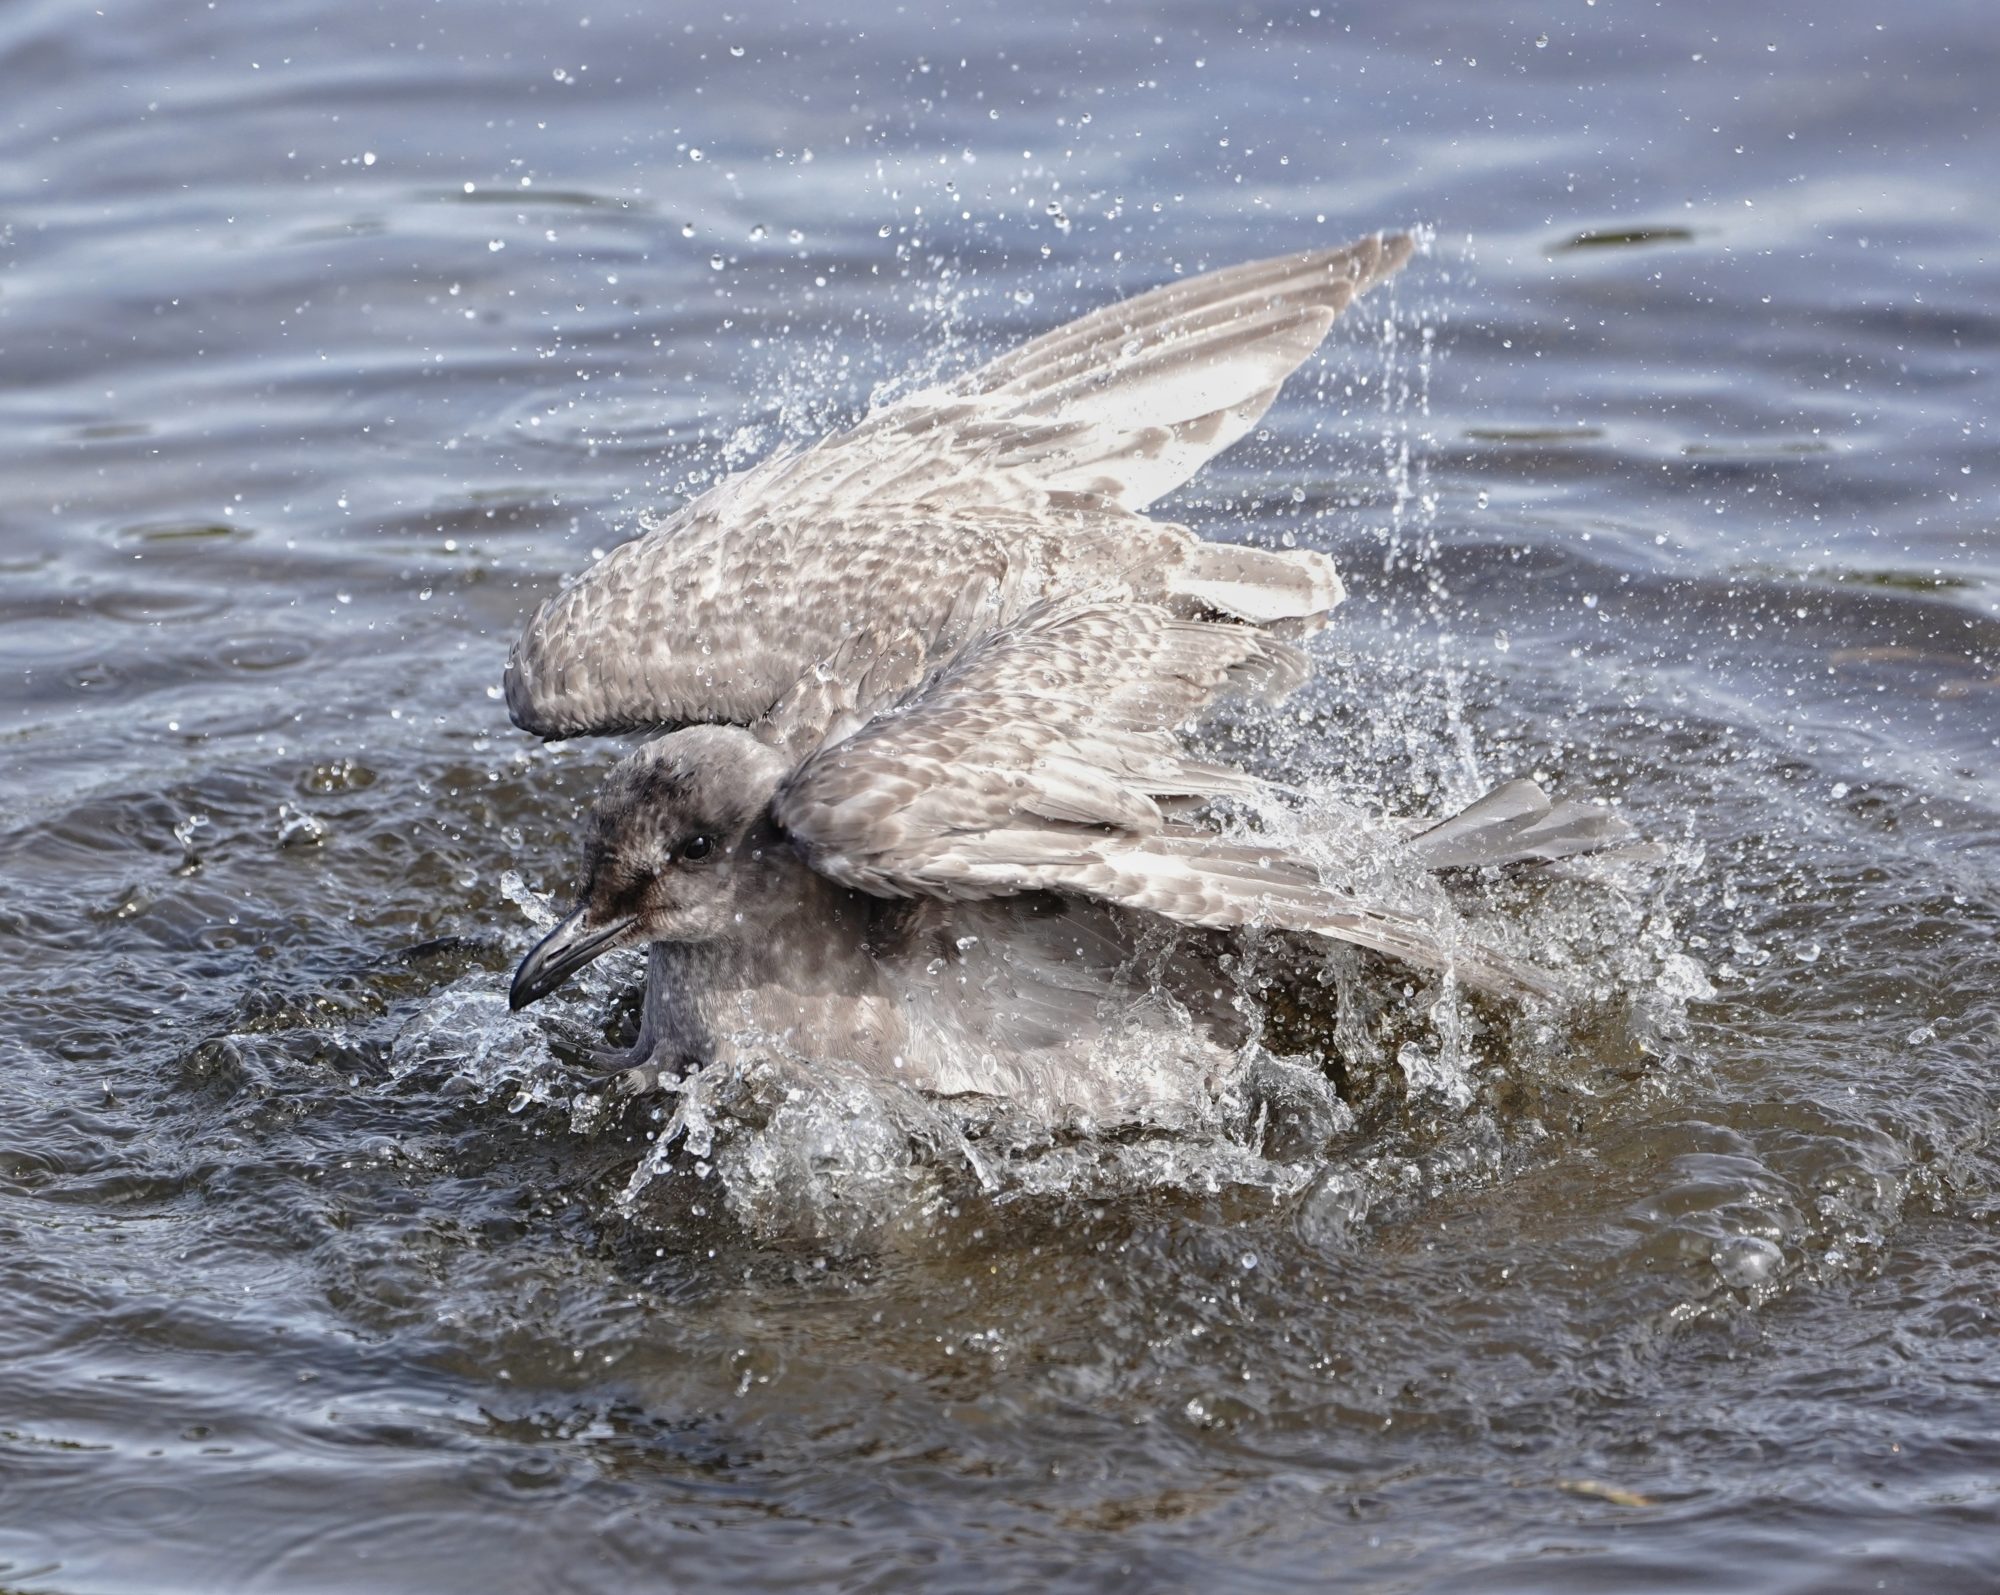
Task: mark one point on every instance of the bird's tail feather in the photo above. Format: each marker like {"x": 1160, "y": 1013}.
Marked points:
{"x": 1224, "y": 885}
{"x": 1517, "y": 823}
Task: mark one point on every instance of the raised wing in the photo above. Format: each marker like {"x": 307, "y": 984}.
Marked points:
{"x": 947, "y": 514}
{"x": 1042, "y": 760}
{"x": 1122, "y": 405}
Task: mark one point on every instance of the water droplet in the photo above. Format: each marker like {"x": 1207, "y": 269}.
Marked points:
{"x": 297, "y": 828}
{"x": 1541, "y": 41}
{"x": 715, "y": 263}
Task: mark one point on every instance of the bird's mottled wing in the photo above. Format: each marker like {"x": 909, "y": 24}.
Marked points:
{"x": 804, "y": 635}
{"x": 1040, "y": 761}
{"x": 723, "y": 621}
{"x": 1062, "y": 720}
{"x": 1123, "y": 404}
{"x": 948, "y": 513}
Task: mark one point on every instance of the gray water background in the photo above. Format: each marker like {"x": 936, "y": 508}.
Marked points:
{"x": 332, "y": 336}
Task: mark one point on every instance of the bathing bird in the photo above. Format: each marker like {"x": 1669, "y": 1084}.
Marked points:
{"x": 918, "y": 791}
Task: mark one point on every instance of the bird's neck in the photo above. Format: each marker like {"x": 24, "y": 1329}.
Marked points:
{"x": 801, "y": 963}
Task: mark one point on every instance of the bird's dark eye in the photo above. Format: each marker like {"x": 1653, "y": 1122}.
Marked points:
{"x": 697, "y": 848}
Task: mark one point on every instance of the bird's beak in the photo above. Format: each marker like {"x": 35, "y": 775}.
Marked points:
{"x": 566, "y": 949}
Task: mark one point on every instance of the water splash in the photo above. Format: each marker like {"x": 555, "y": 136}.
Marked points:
{"x": 1339, "y": 1051}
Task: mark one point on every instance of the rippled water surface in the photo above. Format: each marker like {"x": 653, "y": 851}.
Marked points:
{"x": 333, "y": 336}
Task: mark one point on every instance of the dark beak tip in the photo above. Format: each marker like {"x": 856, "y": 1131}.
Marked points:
{"x": 532, "y": 981}
{"x": 568, "y": 946}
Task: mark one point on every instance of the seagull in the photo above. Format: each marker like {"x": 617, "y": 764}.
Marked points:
{"x": 917, "y": 791}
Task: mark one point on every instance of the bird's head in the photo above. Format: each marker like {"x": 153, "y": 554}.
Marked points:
{"x": 675, "y": 834}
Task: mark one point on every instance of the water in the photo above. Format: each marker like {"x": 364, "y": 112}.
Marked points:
{"x": 332, "y": 337}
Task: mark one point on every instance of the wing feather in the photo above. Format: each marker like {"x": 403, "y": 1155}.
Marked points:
{"x": 1039, "y": 762}
{"x": 949, "y": 514}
